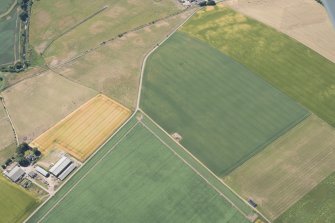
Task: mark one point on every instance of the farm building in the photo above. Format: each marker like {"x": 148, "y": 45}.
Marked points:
{"x": 67, "y": 171}
{"x": 60, "y": 166}
{"x": 42, "y": 171}
{"x": 15, "y": 174}
{"x": 32, "y": 174}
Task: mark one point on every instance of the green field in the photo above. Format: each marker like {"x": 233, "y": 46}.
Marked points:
{"x": 8, "y": 38}
{"x": 16, "y": 204}
{"x": 135, "y": 177}
{"x": 288, "y": 169}
{"x": 287, "y": 64}
{"x": 224, "y": 112}
{"x": 5, "y": 5}
{"x": 317, "y": 206}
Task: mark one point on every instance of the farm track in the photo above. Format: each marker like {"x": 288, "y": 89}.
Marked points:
{"x": 75, "y": 26}
{"x": 140, "y": 86}
{"x": 9, "y": 10}
{"x": 88, "y": 51}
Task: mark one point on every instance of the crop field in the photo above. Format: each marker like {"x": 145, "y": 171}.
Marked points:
{"x": 317, "y": 206}
{"x": 287, "y": 169}
{"x": 305, "y": 21}
{"x": 5, "y": 5}
{"x": 47, "y": 99}
{"x": 139, "y": 170}
{"x": 224, "y": 113}
{"x": 16, "y": 204}
{"x": 84, "y": 130}
{"x": 8, "y": 40}
{"x": 117, "y": 65}
{"x": 275, "y": 57}
{"x": 119, "y": 17}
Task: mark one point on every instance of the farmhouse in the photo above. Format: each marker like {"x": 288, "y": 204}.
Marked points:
{"x": 42, "y": 171}
{"x": 15, "y": 174}
{"x": 60, "y": 166}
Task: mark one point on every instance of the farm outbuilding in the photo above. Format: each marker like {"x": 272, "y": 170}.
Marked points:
{"x": 15, "y": 174}
{"x": 42, "y": 171}
{"x": 67, "y": 171}
{"x": 60, "y": 166}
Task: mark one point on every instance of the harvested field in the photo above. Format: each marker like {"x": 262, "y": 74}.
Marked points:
{"x": 116, "y": 19}
{"x": 6, "y": 132}
{"x": 305, "y": 21}
{"x": 317, "y": 206}
{"x": 139, "y": 170}
{"x": 224, "y": 113}
{"x": 38, "y": 103}
{"x": 285, "y": 63}
{"x": 288, "y": 169}
{"x": 117, "y": 65}
{"x": 16, "y": 204}
{"x": 84, "y": 130}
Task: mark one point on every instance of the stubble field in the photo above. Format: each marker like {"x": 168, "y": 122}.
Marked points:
{"x": 305, "y": 21}
{"x": 117, "y": 65}
{"x": 38, "y": 103}
{"x": 84, "y": 130}
{"x": 119, "y": 17}
{"x": 287, "y": 169}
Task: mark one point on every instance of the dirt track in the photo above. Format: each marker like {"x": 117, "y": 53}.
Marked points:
{"x": 303, "y": 20}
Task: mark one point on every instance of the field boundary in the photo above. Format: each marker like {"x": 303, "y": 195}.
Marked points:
{"x": 73, "y": 187}
{"x": 9, "y": 9}
{"x": 86, "y": 161}
{"x": 262, "y": 146}
{"x": 205, "y": 167}
{"x": 194, "y": 170}
{"x": 153, "y": 50}
{"x": 10, "y": 120}
{"x": 73, "y": 27}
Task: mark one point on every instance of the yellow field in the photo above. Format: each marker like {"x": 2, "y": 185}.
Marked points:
{"x": 84, "y": 130}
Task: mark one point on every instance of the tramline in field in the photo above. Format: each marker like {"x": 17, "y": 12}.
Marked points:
{"x": 84, "y": 130}
{"x": 141, "y": 166}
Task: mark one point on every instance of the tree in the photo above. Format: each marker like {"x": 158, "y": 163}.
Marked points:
{"x": 202, "y": 3}
{"x": 36, "y": 152}
{"x": 3, "y": 166}
{"x": 24, "y": 16}
{"x": 211, "y": 2}
{"x": 23, "y": 162}
{"x": 8, "y": 161}
{"x": 22, "y": 148}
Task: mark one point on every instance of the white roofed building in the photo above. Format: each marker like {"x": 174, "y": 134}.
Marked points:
{"x": 60, "y": 166}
